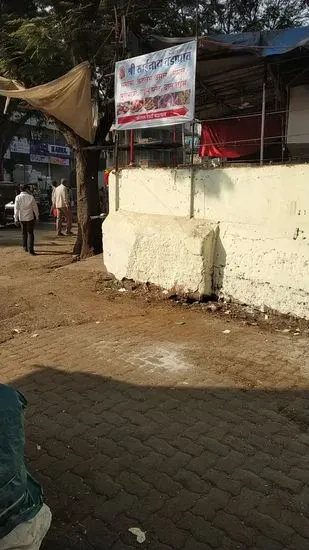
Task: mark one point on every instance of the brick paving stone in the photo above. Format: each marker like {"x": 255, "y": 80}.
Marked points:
{"x": 161, "y": 446}
{"x": 152, "y": 503}
{"x": 185, "y": 445}
{"x": 199, "y": 464}
{"x": 251, "y": 480}
{"x": 245, "y": 501}
{"x": 193, "y": 544}
{"x": 269, "y": 527}
{"x": 172, "y": 465}
{"x": 202, "y": 530}
{"x": 184, "y": 501}
{"x": 208, "y": 505}
{"x": 104, "y": 485}
{"x": 160, "y": 546}
{"x": 133, "y": 484}
{"x": 258, "y": 461}
{"x": 169, "y": 534}
{"x": 232, "y": 461}
{"x": 297, "y": 521}
{"x": 192, "y": 482}
{"x": 164, "y": 483}
{"x": 302, "y": 500}
{"x": 223, "y": 481}
{"x": 299, "y": 543}
{"x": 300, "y": 474}
{"x": 265, "y": 543}
{"x": 234, "y": 528}
{"x": 282, "y": 480}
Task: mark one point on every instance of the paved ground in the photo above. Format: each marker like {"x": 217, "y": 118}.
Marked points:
{"x": 197, "y": 437}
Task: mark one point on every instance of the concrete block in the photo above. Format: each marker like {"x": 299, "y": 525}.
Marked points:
{"x": 171, "y": 252}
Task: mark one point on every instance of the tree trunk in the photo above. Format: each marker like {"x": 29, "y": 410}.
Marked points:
{"x": 89, "y": 235}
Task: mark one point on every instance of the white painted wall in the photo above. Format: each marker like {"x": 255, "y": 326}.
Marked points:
{"x": 262, "y": 252}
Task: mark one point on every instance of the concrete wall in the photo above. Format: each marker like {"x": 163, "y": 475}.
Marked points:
{"x": 261, "y": 254}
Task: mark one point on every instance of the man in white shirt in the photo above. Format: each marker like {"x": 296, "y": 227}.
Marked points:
{"x": 61, "y": 198}
{"x": 26, "y": 212}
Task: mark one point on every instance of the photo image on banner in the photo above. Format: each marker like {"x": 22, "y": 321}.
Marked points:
{"x": 157, "y": 89}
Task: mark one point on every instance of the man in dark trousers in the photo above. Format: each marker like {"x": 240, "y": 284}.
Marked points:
{"x": 26, "y": 212}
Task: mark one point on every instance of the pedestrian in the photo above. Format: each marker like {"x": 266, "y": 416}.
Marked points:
{"x": 52, "y": 195}
{"x": 71, "y": 203}
{"x": 24, "y": 518}
{"x": 26, "y": 212}
{"x": 63, "y": 206}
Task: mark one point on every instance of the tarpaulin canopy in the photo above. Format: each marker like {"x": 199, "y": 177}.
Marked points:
{"x": 67, "y": 98}
{"x": 260, "y": 43}
{"x": 231, "y": 68}
{"x": 238, "y": 137}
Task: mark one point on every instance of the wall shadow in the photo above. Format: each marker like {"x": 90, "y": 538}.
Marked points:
{"x": 196, "y": 468}
{"x": 10, "y": 235}
{"x": 216, "y": 180}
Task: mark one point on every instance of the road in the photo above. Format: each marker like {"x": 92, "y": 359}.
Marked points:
{"x": 144, "y": 413}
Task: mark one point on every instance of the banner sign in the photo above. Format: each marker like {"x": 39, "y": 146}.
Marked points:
{"x": 59, "y": 150}
{"x": 60, "y": 161}
{"x": 21, "y": 145}
{"x": 39, "y": 158}
{"x": 38, "y": 148}
{"x": 157, "y": 89}
{"x": 45, "y": 159}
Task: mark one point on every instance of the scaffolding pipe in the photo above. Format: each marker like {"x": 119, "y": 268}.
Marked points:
{"x": 132, "y": 152}
{"x": 263, "y": 117}
{"x": 192, "y": 190}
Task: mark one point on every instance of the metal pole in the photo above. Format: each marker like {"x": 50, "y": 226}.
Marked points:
{"x": 192, "y": 173}
{"x": 132, "y": 152}
{"x": 174, "y": 156}
{"x": 116, "y": 159}
{"x": 183, "y": 139}
{"x": 286, "y": 121}
{"x": 116, "y": 151}
{"x": 192, "y": 190}
{"x": 263, "y": 117}
{"x": 196, "y": 20}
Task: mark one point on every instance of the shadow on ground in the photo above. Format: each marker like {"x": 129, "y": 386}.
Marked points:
{"x": 196, "y": 468}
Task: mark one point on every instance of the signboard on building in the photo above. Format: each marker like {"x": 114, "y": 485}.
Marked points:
{"x": 59, "y": 150}
{"x": 59, "y": 161}
{"x": 39, "y": 158}
{"x": 156, "y": 89}
{"x": 20, "y": 145}
{"x": 39, "y": 148}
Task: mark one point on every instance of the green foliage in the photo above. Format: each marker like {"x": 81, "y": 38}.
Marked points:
{"x": 228, "y": 16}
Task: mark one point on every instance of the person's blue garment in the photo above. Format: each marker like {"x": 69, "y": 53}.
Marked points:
{"x": 21, "y": 497}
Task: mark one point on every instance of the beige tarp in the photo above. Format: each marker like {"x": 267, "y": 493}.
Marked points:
{"x": 68, "y": 99}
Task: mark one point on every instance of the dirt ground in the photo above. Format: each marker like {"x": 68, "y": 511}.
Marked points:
{"x": 186, "y": 420}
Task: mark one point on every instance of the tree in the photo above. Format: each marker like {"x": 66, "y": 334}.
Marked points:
{"x": 16, "y": 115}
{"x": 228, "y": 16}
{"x": 57, "y": 37}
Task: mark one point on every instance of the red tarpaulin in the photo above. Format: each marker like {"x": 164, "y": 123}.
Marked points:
{"x": 238, "y": 137}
